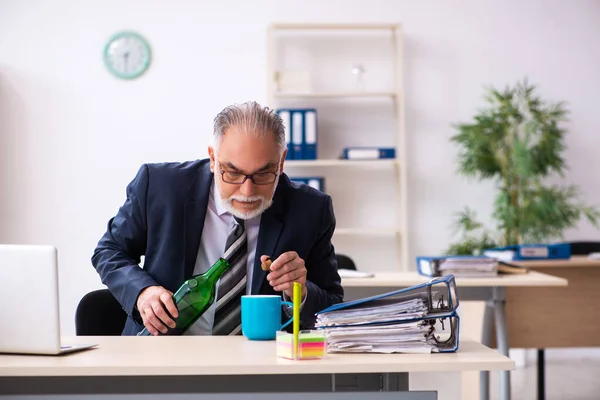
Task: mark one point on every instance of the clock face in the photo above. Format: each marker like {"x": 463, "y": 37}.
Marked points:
{"x": 127, "y": 55}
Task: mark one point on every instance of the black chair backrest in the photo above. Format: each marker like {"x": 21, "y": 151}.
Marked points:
{"x": 584, "y": 248}
{"x": 99, "y": 314}
{"x": 345, "y": 262}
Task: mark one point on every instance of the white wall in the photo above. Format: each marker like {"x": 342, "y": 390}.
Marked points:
{"x": 72, "y": 136}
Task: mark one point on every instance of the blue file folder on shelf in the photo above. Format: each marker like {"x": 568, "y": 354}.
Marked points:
{"x": 297, "y": 134}
{"x": 368, "y": 153}
{"x": 309, "y": 149}
{"x": 301, "y": 132}
{"x": 287, "y": 124}
{"x": 530, "y": 252}
{"x": 315, "y": 182}
{"x": 418, "y": 319}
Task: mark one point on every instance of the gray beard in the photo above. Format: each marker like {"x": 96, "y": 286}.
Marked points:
{"x": 263, "y": 206}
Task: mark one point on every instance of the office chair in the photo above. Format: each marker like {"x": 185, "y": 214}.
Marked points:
{"x": 583, "y": 248}
{"x": 345, "y": 262}
{"x": 99, "y": 314}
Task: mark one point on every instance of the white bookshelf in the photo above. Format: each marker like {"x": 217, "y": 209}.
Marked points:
{"x": 334, "y": 95}
{"x": 335, "y": 27}
{"x": 383, "y": 163}
{"x": 351, "y": 114}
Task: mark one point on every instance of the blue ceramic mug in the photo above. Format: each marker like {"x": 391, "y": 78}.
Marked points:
{"x": 261, "y": 316}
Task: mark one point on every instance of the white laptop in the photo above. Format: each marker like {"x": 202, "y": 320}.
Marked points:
{"x": 29, "y": 301}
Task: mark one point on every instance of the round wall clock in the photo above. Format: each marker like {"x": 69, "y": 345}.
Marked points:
{"x": 127, "y": 55}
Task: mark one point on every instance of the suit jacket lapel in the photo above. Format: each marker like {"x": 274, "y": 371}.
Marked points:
{"x": 195, "y": 212}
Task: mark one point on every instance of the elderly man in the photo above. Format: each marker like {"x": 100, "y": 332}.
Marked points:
{"x": 179, "y": 216}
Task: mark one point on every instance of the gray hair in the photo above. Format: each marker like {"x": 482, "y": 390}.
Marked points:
{"x": 250, "y": 117}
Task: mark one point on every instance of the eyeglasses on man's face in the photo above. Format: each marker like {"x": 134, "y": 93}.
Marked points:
{"x": 237, "y": 178}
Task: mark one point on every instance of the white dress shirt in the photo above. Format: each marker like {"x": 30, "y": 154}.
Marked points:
{"x": 218, "y": 223}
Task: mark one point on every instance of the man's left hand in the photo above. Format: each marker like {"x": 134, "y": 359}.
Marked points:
{"x": 285, "y": 270}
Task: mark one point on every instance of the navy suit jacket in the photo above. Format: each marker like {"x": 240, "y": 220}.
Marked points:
{"x": 162, "y": 219}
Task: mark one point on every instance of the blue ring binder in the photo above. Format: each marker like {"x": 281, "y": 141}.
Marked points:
{"x": 396, "y": 321}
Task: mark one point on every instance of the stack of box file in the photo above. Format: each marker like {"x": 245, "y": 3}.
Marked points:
{"x": 460, "y": 266}
{"x": 300, "y": 132}
{"x": 530, "y": 252}
{"x": 466, "y": 266}
{"x": 317, "y": 182}
{"x": 368, "y": 153}
{"x": 419, "y": 319}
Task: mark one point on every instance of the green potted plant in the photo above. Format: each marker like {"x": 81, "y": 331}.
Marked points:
{"x": 517, "y": 141}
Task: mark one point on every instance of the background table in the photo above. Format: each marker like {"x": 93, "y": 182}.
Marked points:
{"x": 534, "y": 314}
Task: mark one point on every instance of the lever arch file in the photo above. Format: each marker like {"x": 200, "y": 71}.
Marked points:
{"x": 287, "y": 124}
{"x": 466, "y": 266}
{"x": 459, "y": 266}
{"x": 530, "y": 252}
{"x": 418, "y": 319}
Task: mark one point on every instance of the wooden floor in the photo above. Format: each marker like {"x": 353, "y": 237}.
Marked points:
{"x": 571, "y": 374}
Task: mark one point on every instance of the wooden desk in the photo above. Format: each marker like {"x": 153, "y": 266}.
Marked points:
{"x": 575, "y": 261}
{"x": 535, "y": 314}
{"x": 404, "y": 279}
{"x": 222, "y": 365}
{"x": 491, "y": 290}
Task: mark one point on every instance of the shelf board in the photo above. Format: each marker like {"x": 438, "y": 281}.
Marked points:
{"x": 317, "y": 95}
{"x": 373, "y": 232}
{"x": 382, "y": 163}
{"x": 292, "y": 26}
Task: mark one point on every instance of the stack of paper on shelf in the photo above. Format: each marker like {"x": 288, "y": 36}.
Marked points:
{"x": 418, "y": 319}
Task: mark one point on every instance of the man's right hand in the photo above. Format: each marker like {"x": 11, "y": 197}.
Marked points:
{"x": 151, "y": 304}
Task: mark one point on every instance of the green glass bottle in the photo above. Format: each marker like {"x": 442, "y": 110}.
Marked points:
{"x": 194, "y": 297}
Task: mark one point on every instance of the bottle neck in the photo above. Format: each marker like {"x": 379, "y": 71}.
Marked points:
{"x": 216, "y": 271}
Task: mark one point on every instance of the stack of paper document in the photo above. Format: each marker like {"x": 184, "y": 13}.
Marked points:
{"x": 459, "y": 266}
{"x": 404, "y": 321}
{"x": 380, "y": 327}
{"x": 466, "y": 267}
{"x": 377, "y": 311}
{"x": 410, "y": 337}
